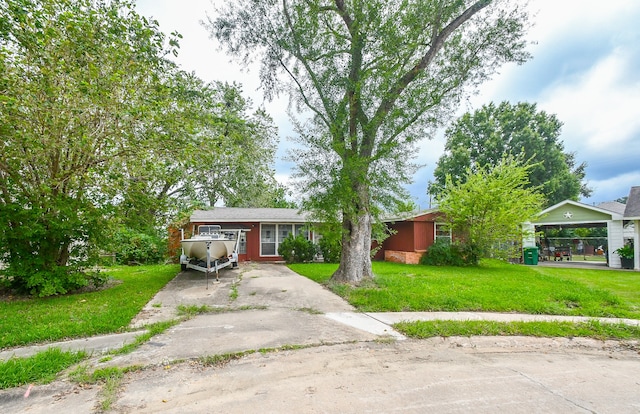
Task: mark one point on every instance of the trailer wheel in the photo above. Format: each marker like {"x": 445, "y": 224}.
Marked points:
{"x": 183, "y": 267}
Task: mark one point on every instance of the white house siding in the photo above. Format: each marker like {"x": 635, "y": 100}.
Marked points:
{"x": 616, "y": 240}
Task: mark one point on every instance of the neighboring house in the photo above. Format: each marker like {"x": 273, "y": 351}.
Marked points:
{"x": 632, "y": 214}
{"x": 621, "y": 221}
{"x": 265, "y": 228}
{"x": 413, "y": 235}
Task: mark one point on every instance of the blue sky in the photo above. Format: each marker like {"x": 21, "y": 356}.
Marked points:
{"x": 585, "y": 70}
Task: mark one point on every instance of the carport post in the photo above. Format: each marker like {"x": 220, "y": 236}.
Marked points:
{"x": 528, "y": 234}
{"x": 615, "y": 233}
{"x": 636, "y": 245}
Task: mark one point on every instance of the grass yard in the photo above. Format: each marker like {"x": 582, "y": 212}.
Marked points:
{"x": 40, "y": 368}
{"x": 591, "y": 329}
{"x": 36, "y": 320}
{"x": 494, "y": 286}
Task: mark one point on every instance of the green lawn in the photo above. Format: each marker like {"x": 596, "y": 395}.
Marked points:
{"x": 29, "y": 321}
{"x": 494, "y": 286}
{"x": 591, "y": 329}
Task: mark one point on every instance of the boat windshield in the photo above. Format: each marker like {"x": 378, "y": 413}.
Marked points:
{"x": 214, "y": 231}
{"x": 209, "y": 230}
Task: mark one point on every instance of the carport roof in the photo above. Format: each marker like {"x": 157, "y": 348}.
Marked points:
{"x": 573, "y": 212}
{"x": 613, "y": 206}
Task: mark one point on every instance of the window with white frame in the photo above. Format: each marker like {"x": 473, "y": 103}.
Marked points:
{"x": 443, "y": 232}
{"x": 284, "y": 230}
{"x": 271, "y": 235}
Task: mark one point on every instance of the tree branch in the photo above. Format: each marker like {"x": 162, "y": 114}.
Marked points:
{"x": 436, "y": 45}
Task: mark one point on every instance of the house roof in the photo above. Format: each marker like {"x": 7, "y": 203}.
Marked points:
{"x": 412, "y": 216}
{"x": 632, "y": 210}
{"x": 614, "y": 206}
{"x": 237, "y": 214}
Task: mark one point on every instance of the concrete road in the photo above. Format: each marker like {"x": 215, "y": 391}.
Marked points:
{"x": 317, "y": 362}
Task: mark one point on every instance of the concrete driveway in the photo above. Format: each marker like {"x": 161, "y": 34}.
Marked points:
{"x": 320, "y": 356}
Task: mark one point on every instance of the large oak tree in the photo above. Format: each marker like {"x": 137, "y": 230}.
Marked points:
{"x": 376, "y": 76}
{"x": 486, "y": 136}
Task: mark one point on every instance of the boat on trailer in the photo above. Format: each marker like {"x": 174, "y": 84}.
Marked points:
{"x": 210, "y": 249}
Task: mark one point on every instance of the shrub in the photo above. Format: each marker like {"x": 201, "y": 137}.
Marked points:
{"x": 331, "y": 248}
{"x": 445, "y": 253}
{"x": 297, "y": 249}
{"x": 133, "y": 247}
{"x": 50, "y": 282}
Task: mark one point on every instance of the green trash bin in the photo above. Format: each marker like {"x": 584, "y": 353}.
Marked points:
{"x": 530, "y": 255}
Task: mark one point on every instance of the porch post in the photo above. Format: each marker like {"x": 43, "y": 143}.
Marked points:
{"x": 615, "y": 237}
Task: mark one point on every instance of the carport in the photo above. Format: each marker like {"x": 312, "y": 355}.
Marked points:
{"x": 572, "y": 214}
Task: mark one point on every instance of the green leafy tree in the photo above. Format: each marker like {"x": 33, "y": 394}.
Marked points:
{"x": 375, "y": 76}
{"x": 486, "y": 209}
{"x": 205, "y": 147}
{"x": 239, "y": 172}
{"x": 74, "y": 82}
{"x": 102, "y": 134}
{"x": 486, "y": 136}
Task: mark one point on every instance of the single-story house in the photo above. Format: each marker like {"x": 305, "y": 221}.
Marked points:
{"x": 263, "y": 229}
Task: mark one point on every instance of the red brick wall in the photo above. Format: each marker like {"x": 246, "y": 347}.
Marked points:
{"x": 412, "y": 239}
{"x": 402, "y": 257}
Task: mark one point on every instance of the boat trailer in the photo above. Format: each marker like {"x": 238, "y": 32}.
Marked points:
{"x": 211, "y": 265}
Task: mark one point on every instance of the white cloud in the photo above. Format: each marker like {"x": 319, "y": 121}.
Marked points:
{"x": 599, "y": 110}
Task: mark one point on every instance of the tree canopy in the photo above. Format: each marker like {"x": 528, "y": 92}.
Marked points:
{"x": 486, "y": 136}
{"x": 376, "y": 77}
{"x": 99, "y": 129}
{"x": 206, "y": 147}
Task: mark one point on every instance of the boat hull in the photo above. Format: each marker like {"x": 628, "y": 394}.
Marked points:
{"x": 197, "y": 248}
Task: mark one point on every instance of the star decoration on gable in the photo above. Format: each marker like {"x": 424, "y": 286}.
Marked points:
{"x": 568, "y": 215}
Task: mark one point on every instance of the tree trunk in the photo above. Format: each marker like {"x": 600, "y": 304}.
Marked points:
{"x": 63, "y": 255}
{"x": 355, "y": 264}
